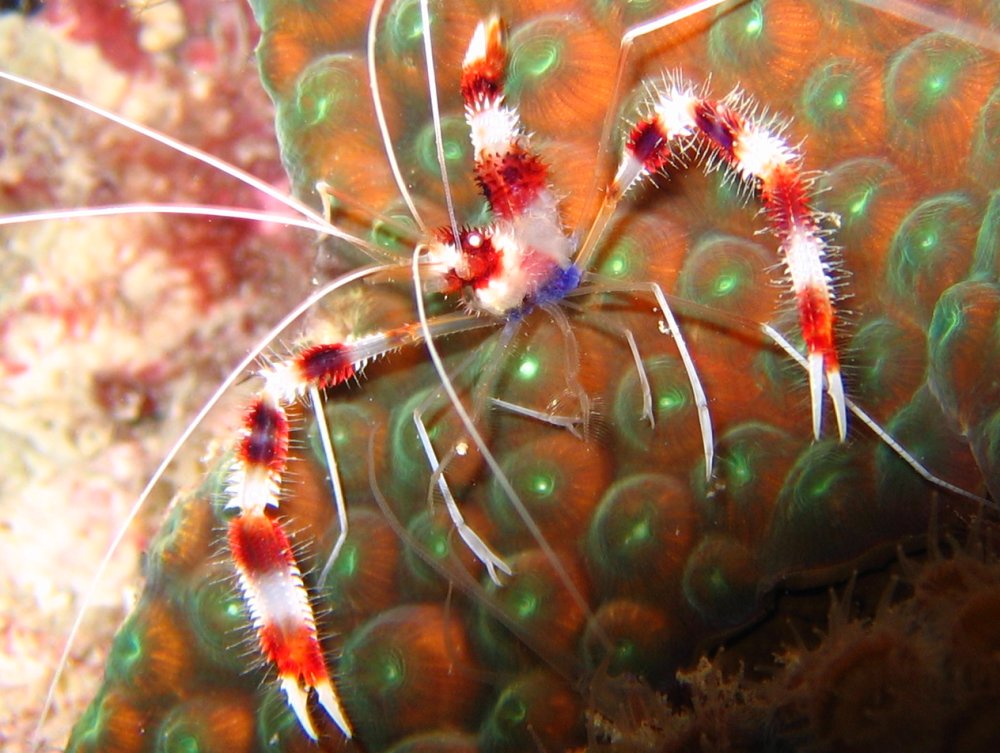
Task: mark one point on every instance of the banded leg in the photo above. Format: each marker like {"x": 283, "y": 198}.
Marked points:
{"x": 269, "y": 577}
{"x": 475, "y": 543}
{"x": 472, "y": 540}
{"x": 525, "y": 242}
{"x": 682, "y": 124}
{"x": 669, "y": 326}
{"x": 510, "y": 174}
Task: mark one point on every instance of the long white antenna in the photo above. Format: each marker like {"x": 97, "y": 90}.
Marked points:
{"x": 199, "y": 210}
{"x": 432, "y": 89}
{"x": 624, "y": 50}
{"x": 178, "y": 146}
{"x": 383, "y": 126}
{"x": 934, "y": 20}
{"x": 171, "y": 455}
{"x": 191, "y": 151}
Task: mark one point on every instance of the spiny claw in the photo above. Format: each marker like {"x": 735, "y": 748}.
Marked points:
{"x": 816, "y": 392}
{"x": 298, "y": 700}
{"x": 331, "y": 704}
{"x": 818, "y": 366}
{"x": 835, "y": 388}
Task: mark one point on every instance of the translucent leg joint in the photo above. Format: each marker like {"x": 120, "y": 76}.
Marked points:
{"x": 473, "y": 541}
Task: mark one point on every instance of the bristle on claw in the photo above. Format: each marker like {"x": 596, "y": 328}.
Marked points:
{"x": 331, "y": 704}
{"x": 835, "y": 388}
{"x": 816, "y": 392}
{"x": 282, "y": 615}
{"x": 731, "y": 134}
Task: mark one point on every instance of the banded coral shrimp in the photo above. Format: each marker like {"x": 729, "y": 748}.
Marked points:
{"x": 742, "y": 524}
{"x": 107, "y": 322}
